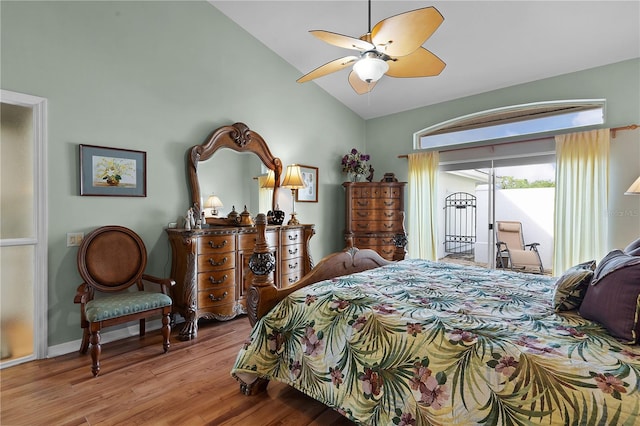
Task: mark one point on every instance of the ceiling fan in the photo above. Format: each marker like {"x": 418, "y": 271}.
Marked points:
{"x": 393, "y": 47}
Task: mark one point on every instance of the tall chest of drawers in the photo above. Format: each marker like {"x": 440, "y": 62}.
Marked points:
{"x": 211, "y": 268}
{"x": 374, "y": 217}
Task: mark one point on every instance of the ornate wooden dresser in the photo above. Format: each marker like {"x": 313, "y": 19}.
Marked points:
{"x": 375, "y": 217}
{"x": 211, "y": 268}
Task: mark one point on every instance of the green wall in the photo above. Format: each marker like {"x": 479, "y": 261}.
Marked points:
{"x": 619, "y": 83}
{"x": 159, "y": 76}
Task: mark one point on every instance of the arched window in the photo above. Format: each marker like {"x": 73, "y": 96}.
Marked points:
{"x": 511, "y": 123}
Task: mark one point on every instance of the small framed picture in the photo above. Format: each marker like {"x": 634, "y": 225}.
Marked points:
{"x": 310, "y": 192}
{"x": 112, "y": 172}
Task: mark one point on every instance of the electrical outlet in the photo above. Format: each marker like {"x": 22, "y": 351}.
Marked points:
{"x": 74, "y": 238}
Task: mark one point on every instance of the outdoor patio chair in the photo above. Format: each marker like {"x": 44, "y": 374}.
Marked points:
{"x": 512, "y": 252}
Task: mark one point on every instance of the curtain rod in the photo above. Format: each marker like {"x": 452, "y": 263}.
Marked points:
{"x": 613, "y": 135}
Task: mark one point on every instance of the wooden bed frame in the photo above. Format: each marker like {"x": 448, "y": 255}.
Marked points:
{"x": 263, "y": 294}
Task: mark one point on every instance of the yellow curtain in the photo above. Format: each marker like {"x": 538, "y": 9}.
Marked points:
{"x": 582, "y": 170}
{"x": 423, "y": 205}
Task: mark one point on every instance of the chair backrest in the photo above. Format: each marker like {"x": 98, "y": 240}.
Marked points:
{"x": 510, "y": 233}
{"x": 111, "y": 258}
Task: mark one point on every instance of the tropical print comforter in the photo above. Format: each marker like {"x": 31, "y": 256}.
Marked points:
{"x": 425, "y": 343}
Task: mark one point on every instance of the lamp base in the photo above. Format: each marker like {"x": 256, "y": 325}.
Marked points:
{"x": 293, "y": 220}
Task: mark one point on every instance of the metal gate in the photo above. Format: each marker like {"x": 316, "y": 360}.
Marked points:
{"x": 460, "y": 223}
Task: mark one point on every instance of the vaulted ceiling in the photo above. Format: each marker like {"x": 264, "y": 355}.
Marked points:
{"x": 486, "y": 45}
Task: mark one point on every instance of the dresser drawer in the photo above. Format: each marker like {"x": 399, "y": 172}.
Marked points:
{"x": 217, "y": 244}
{"x": 364, "y": 191}
{"x": 215, "y": 279}
{"x": 248, "y": 241}
{"x": 289, "y": 252}
{"x": 383, "y": 245}
{"x": 390, "y": 192}
{"x": 387, "y": 252}
{"x": 216, "y": 261}
{"x": 388, "y": 204}
{"x": 292, "y": 236}
{"x": 292, "y": 265}
{"x": 216, "y": 296}
{"x": 366, "y": 242}
{"x": 288, "y": 279}
{"x": 364, "y": 215}
{"x": 376, "y": 204}
{"x": 376, "y": 226}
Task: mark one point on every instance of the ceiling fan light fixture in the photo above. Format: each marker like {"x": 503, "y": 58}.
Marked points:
{"x": 370, "y": 68}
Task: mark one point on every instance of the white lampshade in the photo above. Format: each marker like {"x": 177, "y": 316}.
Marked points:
{"x": 293, "y": 178}
{"x": 270, "y": 181}
{"x": 213, "y": 202}
{"x": 634, "y": 189}
{"x": 370, "y": 68}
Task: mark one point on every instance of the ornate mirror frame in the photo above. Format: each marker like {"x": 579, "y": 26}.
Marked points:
{"x": 239, "y": 138}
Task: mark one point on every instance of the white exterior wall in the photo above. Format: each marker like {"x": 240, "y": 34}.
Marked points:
{"x": 534, "y": 207}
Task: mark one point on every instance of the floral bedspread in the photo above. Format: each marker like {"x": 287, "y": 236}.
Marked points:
{"x": 425, "y": 343}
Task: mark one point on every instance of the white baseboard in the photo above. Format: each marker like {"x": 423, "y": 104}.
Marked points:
{"x": 105, "y": 337}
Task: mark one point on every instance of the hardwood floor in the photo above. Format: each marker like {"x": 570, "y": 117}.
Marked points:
{"x": 139, "y": 385}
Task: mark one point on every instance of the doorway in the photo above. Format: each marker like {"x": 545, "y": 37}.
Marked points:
{"x": 23, "y": 228}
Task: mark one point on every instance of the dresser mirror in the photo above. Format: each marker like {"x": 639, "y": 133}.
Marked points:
{"x": 227, "y": 164}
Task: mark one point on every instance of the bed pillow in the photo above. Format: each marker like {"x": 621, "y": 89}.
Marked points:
{"x": 634, "y": 248}
{"x": 613, "y": 297}
{"x": 572, "y": 286}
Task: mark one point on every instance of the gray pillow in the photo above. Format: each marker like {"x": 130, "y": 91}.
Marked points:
{"x": 634, "y": 248}
{"x": 572, "y": 286}
{"x": 612, "y": 299}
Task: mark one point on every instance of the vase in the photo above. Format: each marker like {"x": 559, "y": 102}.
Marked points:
{"x": 355, "y": 177}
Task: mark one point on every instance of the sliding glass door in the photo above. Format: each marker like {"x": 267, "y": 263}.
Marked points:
{"x": 516, "y": 189}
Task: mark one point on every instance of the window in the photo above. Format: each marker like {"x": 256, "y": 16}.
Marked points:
{"x": 508, "y": 123}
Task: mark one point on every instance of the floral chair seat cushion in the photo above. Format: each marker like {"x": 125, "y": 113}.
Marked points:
{"x": 124, "y": 304}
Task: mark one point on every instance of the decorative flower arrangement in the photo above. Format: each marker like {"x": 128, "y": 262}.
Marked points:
{"x": 112, "y": 170}
{"x": 355, "y": 163}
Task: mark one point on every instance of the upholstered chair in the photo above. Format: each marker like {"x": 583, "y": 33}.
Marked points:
{"x": 111, "y": 262}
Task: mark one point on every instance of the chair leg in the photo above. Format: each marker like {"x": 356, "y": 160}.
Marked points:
{"x": 96, "y": 350}
{"x": 166, "y": 331}
{"x": 84, "y": 346}
{"x": 143, "y": 329}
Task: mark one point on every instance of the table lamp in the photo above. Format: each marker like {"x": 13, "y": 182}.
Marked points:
{"x": 213, "y": 202}
{"x": 293, "y": 180}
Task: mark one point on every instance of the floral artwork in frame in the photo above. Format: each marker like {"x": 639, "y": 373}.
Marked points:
{"x": 112, "y": 172}
{"x": 310, "y": 178}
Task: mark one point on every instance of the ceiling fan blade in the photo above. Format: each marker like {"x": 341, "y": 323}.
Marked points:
{"x": 421, "y": 63}
{"x": 342, "y": 40}
{"x": 328, "y": 68}
{"x": 360, "y": 87}
{"x": 400, "y": 35}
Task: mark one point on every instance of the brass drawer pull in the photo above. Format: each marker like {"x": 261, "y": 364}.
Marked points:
{"x": 217, "y": 246}
{"x": 362, "y": 214}
{"x": 389, "y": 204}
{"x": 362, "y": 203}
{"x": 213, "y": 281}
{"x": 387, "y": 251}
{"x": 293, "y": 266}
{"x": 217, "y": 299}
{"x": 293, "y": 237}
{"x": 294, "y": 251}
{"x": 293, "y": 280}
{"x": 388, "y": 225}
{"x": 388, "y": 214}
{"x": 362, "y": 225}
{"x": 214, "y": 263}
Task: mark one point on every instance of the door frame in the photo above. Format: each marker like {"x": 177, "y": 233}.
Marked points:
{"x": 38, "y": 106}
